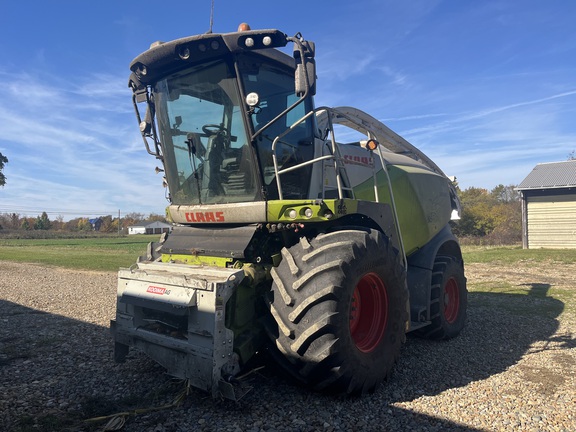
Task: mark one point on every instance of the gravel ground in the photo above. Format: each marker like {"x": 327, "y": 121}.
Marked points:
{"x": 513, "y": 368}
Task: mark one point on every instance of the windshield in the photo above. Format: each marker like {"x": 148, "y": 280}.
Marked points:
{"x": 275, "y": 89}
{"x": 207, "y": 157}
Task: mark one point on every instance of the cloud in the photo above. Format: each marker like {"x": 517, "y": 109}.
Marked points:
{"x": 500, "y": 144}
{"x": 74, "y": 147}
{"x": 527, "y": 119}
{"x": 343, "y": 64}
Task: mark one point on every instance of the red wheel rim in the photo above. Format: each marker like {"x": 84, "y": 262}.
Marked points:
{"x": 368, "y": 312}
{"x": 451, "y": 300}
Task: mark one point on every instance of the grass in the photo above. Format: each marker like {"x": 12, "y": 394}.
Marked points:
{"x": 95, "y": 253}
{"x": 513, "y": 254}
{"x": 541, "y": 295}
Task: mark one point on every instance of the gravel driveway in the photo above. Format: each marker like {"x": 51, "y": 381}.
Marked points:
{"x": 506, "y": 371}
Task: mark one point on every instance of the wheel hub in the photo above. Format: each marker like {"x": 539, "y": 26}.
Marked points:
{"x": 368, "y": 312}
{"x": 451, "y": 300}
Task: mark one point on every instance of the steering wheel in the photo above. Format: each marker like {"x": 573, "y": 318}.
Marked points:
{"x": 213, "y": 129}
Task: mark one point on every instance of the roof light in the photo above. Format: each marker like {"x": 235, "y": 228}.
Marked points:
{"x": 244, "y": 27}
{"x": 214, "y": 45}
{"x": 267, "y": 40}
{"x": 249, "y": 42}
{"x": 184, "y": 53}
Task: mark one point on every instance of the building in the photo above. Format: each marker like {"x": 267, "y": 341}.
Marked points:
{"x": 549, "y": 206}
{"x": 96, "y": 223}
{"x": 155, "y": 227}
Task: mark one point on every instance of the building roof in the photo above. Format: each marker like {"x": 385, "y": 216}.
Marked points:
{"x": 551, "y": 175}
{"x": 149, "y": 223}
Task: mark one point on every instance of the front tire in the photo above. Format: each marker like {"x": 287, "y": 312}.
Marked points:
{"x": 339, "y": 309}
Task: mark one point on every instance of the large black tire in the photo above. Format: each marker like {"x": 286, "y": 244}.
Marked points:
{"x": 449, "y": 300}
{"x": 339, "y": 310}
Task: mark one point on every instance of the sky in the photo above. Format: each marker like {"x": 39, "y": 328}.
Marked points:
{"x": 487, "y": 89}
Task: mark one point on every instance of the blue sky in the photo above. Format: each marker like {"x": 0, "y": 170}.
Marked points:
{"x": 487, "y": 89}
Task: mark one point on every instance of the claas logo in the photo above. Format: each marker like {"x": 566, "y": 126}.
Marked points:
{"x": 205, "y": 217}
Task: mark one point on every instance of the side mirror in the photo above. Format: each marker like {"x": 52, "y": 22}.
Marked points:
{"x": 305, "y": 75}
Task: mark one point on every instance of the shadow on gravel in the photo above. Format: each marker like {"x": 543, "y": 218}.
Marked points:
{"x": 56, "y": 372}
{"x": 501, "y": 329}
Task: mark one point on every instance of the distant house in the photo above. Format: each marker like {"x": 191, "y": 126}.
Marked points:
{"x": 96, "y": 223}
{"x": 549, "y": 206}
{"x": 155, "y": 227}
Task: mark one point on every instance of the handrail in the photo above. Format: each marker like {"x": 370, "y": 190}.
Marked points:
{"x": 335, "y": 156}
{"x": 348, "y": 118}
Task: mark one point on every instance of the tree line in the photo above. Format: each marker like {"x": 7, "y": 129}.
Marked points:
{"x": 490, "y": 216}
{"x": 106, "y": 224}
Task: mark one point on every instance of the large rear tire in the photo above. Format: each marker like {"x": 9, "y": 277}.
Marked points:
{"x": 339, "y": 310}
{"x": 449, "y": 299}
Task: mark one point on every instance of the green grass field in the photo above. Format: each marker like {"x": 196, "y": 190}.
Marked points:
{"x": 95, "y": 253}
{"x": 543, "y": 277}
{"x": 109, "y": 253}
{"x": 511, "y": 254}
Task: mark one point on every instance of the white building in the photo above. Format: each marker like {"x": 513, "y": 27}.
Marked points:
{"x": 549, "y": 206}
{"x": 155, "y": 227}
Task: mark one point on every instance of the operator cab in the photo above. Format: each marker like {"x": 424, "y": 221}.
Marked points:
{"x": 220, "y": 112}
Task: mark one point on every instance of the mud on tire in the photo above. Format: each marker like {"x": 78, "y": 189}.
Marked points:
{"x": 338, "y": 310}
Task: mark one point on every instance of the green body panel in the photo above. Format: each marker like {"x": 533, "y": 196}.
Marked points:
{"x": 422, "y": 201}
{"x": 322, "y": 210}
{"x": 196, "y": 259}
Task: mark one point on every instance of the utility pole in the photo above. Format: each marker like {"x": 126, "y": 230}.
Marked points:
{"x": 118, "y": 222}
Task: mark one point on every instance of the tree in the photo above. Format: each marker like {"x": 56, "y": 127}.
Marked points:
{"x": 42, "y": 222}
{"x": 83, "y": 224}
{"x": 132, "y": 219}
{"x": 3, "y": 161}
{"x": 25, "y": 225}
{"x": 14, "y": 221}
{"x": 507, "y": 223}
{"x": 58, "y": 223}
{"x": 153, "y": 217}
{"x": 475, "y": 218}
{"x": 77, "y": 224}
{"x": 505, "y": 194}
{"x": 495, "y": 214}
{"x": 10, "y": 221}
{"x": 109, "y": 224}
